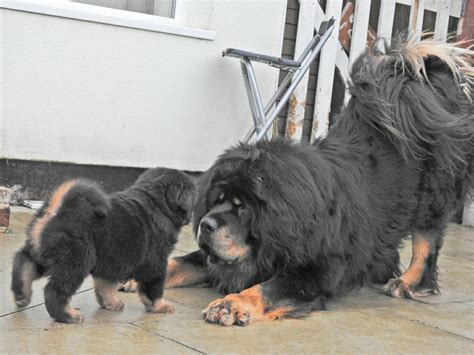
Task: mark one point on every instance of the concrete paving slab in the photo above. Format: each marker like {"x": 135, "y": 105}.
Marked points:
{"x": 348, "y": 330}
{"x": 186, "y": 242}
{"x": 363, "y": 321}
{"x": 87, "y": 339}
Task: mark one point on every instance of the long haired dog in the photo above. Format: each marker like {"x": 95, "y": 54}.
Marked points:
{"x": 285, "y": 227}
{"x": 82, "y": 231}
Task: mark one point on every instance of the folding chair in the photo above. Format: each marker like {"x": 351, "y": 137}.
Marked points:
{"x": 263, "y": 117}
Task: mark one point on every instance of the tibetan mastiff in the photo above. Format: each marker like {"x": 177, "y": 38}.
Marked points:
{"x": 82, "y": 231}
{"x": 284, "y": 227}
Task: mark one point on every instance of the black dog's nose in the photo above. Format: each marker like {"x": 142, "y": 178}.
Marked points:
{"x": 208, "y": 224}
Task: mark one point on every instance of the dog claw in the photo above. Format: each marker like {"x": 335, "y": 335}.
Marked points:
{"x": 398, "y": 288}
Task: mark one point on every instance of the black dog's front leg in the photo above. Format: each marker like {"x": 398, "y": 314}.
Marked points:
{"x": 187, "y": 270}
{"x": 293, "y": 294}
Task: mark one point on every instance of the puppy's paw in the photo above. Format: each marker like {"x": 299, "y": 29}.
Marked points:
{"x": 116, "y": 305}
{"x": 21, "y": 301}
{"x": 160, "y": 306}
{"x": 71, "y": 315}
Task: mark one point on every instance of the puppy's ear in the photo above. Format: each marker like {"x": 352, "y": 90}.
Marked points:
{"x": 101, "y": 211}
{"x": 181, "y": 196}
{"x": 186, "y": 199}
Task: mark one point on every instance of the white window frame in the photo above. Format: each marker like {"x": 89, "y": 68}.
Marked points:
{"x": 90, "y": 13}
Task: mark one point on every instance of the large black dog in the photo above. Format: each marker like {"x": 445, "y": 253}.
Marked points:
{"x": 290, "y": 226}
{"x": 82, "y": 231}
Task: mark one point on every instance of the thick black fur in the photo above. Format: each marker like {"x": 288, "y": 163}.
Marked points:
{"x": 128, "y": 234}
{"x": 328, "y": 217}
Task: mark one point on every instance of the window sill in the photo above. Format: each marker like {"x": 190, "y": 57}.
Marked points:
{"x": 108, "y": 16}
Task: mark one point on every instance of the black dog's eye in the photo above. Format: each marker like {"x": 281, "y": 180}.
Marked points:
{"x": 236, "y": 202}
{"x": 221, "y": 197}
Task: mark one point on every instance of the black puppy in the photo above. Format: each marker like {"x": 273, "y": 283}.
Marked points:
{"x": 82, "y": 231}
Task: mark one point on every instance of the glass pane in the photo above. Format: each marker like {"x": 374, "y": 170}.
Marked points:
{"x": 163, "y": 8}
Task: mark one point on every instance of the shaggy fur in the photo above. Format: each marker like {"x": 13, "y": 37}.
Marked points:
{"x": 82, "y": 231}
{"x": 324, "y": 219}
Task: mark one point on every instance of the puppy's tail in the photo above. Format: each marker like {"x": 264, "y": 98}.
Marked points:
{"x": 25, "y": 271}
{"x": 419, "y": 96}
{"x": 83, "y": 198}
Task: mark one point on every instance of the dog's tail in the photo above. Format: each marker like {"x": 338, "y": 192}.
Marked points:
{"x": 85, "y": 198}
{"x": 418, "y": 95}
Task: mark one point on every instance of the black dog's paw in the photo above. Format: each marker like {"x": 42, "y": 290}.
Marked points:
{"x": 399, "y": 288}
{"x": 129, "y": 286}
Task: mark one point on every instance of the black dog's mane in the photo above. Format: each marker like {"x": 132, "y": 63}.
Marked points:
{"x": 399, "y": 158}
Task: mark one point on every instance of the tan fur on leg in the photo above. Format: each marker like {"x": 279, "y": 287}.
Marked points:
{"x": 158, "y": 306}
{"x": 106, "y": 293}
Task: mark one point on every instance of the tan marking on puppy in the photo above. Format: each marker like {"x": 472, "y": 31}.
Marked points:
{"x": 158, "y": 306}
{"x": 106, "y": 294}
{"x": 75, "y": 314}
{"x": 179, "y": 274}
{"x": 420, "y": 252}
{"x": 53, "y": 207}
{"x": 28, "y": 275}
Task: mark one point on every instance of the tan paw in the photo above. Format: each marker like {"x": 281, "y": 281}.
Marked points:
{"x": 230, "y": 310}
{"x": 160, "y": 306}
{"x": 399, "y": 288}
{"x": 116, "y": 305}
{"x": 75, "y": 315}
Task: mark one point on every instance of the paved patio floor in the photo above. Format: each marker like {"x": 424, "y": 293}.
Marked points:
{"x": 362, "y": 322}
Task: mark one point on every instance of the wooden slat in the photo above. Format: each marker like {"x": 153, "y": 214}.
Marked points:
{"x": 432, "y": 5}
{"x": 297, "y": 103}
{"x": 327, "y": 64}
{"x": 442, "y": 20}
{"x": 359, "y": 29}
{"x": 385, "y": 25}
{"x": 342, "y": 60}
{"x": 416, "y": 17}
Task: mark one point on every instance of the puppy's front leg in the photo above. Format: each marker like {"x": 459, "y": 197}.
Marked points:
{"x": 106, "y": 294}
{"x": 150, "y": 289}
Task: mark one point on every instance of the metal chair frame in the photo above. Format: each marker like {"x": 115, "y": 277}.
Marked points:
{"x": 263, "y": 116}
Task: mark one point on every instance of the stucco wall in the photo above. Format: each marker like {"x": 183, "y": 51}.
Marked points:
{"x": 91, "y": 93}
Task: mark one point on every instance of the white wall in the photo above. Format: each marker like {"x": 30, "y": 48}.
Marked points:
{"x": 91, "y": 93}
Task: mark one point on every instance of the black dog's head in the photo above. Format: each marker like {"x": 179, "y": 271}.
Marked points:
{"x": 255, "y": 206}
{"x": 224, "y": 232}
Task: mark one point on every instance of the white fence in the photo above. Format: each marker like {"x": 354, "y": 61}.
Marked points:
{"x": 334, "y": 55}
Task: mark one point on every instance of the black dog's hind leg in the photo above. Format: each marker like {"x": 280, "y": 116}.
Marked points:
{"x": 151, "y": 279}
{"x": 25, "y": 271}
{"x": 420, "y": 279}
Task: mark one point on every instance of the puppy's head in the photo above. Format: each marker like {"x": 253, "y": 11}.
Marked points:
{"x": 174, "y": 187}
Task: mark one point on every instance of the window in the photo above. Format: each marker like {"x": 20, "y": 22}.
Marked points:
{"x": 177, "y": 17}
{"x": 165, "y": 8}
